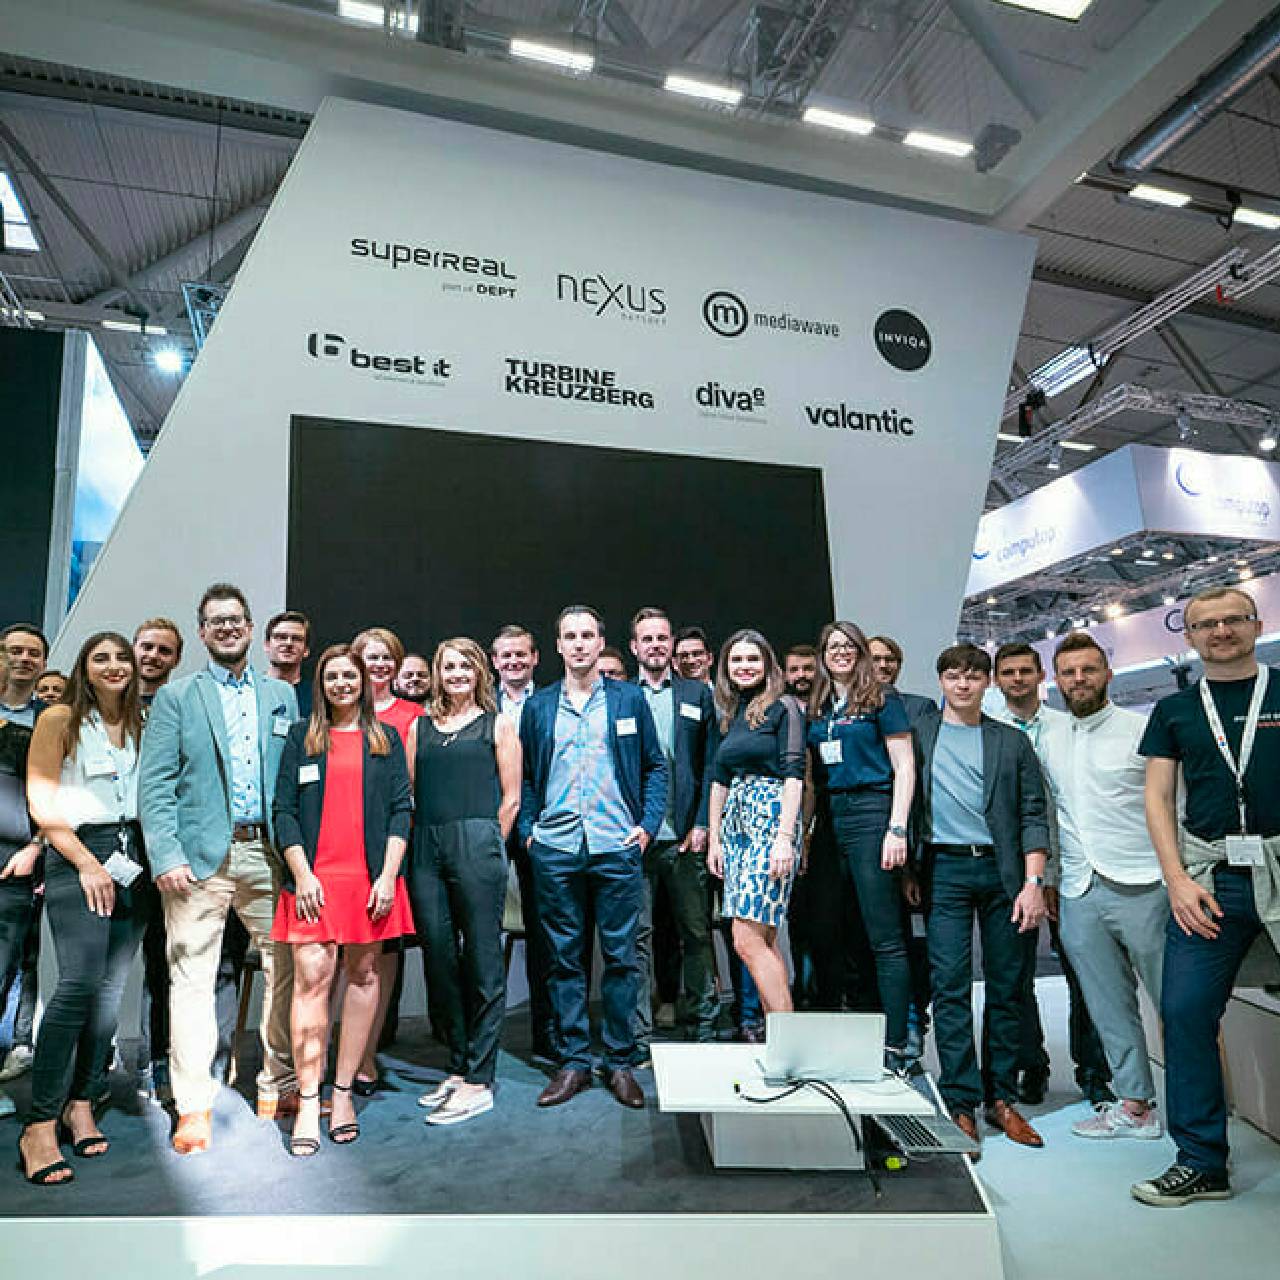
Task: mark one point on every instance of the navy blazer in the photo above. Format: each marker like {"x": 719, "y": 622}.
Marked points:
{"x": 388, "y": 801}
{"x": 639, "y": 761}
{"x": 693, "y": 758}
{"x": 1013, "y": 796}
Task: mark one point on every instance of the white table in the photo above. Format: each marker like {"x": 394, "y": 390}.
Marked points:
{"x": 802, "y": 1131}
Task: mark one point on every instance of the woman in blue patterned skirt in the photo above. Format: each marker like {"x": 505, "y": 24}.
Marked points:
{"x": 755, "y": 806}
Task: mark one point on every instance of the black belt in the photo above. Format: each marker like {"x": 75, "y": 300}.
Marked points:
{"x": 249, "y": 831}
{"x": 963, "y": 850}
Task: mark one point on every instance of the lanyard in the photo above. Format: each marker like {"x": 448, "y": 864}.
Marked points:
{"x": 1246, "y": 741}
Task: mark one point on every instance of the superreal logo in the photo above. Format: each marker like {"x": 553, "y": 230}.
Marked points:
{"x": 544, "y": 378}
{"x": 885, "y": 422}
{"x": 733, "y": 404}
{"x": 387, "y": 366}
{"x": 638, "y": 303}
{"x": 728, "y": 315}
{"x": 462, "y": 272}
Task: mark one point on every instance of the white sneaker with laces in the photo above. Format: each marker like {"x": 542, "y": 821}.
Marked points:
{"x": 17, "y": 1061}
{"x": 456, "y": 1109}
{"x": 1115, "y": 1120}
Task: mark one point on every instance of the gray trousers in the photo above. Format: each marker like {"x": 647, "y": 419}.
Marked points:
{"x": 1114, "y": 935}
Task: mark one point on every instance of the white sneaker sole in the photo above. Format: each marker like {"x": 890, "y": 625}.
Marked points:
{"x": 1175, "y": 1202}
{"x": 1112, "y": 1135}
{"x": 445, "y": 1115}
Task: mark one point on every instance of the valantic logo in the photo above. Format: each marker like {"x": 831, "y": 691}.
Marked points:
{"x": 728, "y": 315}
{"x": 903, "y": 340}
{"x": 889, "y": 422}
{"x": 645, "y": 303}
{"x": 715, "y": 400}
{"x": 409, "y": 367}
{"x": 571, "y": 382}
{"x": 498, "y": 280}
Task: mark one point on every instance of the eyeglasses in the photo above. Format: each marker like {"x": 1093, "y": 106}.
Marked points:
{"x": 841, "y": 647}
{"x": 225, "y": 622}
{"x": 1232, "y": 620}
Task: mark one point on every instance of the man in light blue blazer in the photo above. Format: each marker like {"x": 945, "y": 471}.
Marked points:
{"x": 207, "y": 777}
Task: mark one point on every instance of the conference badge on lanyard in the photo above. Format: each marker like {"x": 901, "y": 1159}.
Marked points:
{"x": 1243, "y": 850}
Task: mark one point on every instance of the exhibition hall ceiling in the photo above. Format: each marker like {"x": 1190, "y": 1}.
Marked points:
{"x": 146, "y": 140}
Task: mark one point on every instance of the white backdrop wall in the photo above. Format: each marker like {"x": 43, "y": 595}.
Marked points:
{"x": 406, "y": 261}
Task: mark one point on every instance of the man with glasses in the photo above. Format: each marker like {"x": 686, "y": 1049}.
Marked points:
{"x": 1223, "y": 733}
{"x": 287, "y": 642}
{"x": 207, "y": 775}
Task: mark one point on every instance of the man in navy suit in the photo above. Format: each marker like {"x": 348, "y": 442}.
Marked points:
{"x": 595, "y": 792}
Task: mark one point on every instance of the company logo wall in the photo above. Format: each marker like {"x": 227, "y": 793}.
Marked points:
{"x": 628, "y": 304}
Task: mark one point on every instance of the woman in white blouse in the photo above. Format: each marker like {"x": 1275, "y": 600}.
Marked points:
{"x": 82, "y": 788}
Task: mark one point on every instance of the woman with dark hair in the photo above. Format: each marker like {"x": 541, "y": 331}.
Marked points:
{"x": 864, "y": 777}
{"x": 82, "y": 786}
{"x": 341, "y": 811}
{"x": 466, "y": 764}
{"x": 755, "y": 806}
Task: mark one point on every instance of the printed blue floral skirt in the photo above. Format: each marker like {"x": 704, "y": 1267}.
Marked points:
{"x": 747, "y": 832}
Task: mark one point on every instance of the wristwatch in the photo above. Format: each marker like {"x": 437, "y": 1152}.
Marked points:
{"x": 897, "y": 830}
{"x": 1038, "y": 881}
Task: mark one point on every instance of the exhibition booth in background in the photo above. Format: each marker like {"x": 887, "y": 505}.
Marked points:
{"x": 463, "y": 378}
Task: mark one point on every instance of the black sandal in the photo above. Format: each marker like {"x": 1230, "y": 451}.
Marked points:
{"x": 305, "y": 1146}
{"x": 90, "y": 1148}
{"x": 345, "y": 1134}
{"x": 44, "y": 1177}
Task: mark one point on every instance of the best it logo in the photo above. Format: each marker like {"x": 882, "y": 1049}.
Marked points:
{"x": 389, "y": 366}
{"x": 903, "y": 341}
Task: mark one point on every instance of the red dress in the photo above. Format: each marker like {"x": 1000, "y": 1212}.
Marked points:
{"x": 400, "y": 715}
{"x": 340, "y": 862}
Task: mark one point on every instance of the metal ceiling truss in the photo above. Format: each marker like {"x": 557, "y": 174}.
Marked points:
{"x": 784, "y": 49}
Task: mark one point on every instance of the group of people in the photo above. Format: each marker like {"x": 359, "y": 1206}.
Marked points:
{"x": 390, "y": 798}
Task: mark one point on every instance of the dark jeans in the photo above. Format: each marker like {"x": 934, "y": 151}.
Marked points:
{"x": 963, "y": 888}
{"x": 94, "y": 958}
{"x": 843, "y": 966}
{"x": 613, "y": 883}
{"x": 1198, "y": 977}
{"x": 457, "y": 885}
{"x": 541, "y": 1017}
{"x": 19, "y": 914}
{"x": 859, "y": 820}
{"x": 685, "y": 877}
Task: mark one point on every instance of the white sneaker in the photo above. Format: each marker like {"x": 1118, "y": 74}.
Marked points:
{"x": 6, "y": 1105}
{"x": 1115, "y": 1120}
{"x": 16, "y": 1062}
{"x": 455, "y": 1110}
{"x": 438, "y": 1096}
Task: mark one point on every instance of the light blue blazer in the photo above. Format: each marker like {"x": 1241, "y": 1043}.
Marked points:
{"x": 184, "y": 770}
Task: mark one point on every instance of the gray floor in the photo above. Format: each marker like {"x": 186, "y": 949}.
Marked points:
{"x": 589, "y": 1156}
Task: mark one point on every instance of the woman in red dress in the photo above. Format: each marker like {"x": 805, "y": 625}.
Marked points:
{"x": 342, "y": 810}
{"x": 381, "y": 651}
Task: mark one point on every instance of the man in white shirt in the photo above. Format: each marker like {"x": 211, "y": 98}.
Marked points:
{"x": 1113, "y": 909}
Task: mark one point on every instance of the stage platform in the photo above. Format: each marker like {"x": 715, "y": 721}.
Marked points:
{"x": 584, "y": 1190}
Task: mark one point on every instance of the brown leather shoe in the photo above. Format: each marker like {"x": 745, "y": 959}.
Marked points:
{"x": 1004, "y": 1116}
{"x": 623, "y": 1085}
{"x": 194, "y": 1133}
{"x": 562, "y": 1086}
{"x": 969, "y": 1127}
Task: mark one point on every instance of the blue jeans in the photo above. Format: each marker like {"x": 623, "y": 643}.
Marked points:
{"x": 1198, "y": 976}
{"x": 613, "y": 884}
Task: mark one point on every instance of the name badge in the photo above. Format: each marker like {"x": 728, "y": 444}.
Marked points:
{"x": 626, "y": 726}
{"x": 831, "y": 751}
{"x": 1244, "y": 851}
{"x": 308, "y": 773}
{"x": 691, "y": 711}
{"x": 280, "y": 726}
{"x": 98, "y": 767}
{"x": 122, "y": 869}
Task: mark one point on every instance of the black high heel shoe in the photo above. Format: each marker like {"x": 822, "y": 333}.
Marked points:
{"x": 44, "y": 1177}
{"x": 343, "y": 1134}
{"x": 366, "y": 1088}
{"x": 90, "y": 1148}
{"x": 304, "y": 1146}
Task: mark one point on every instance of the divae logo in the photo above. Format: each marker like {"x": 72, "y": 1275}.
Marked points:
{"x": 719, "y": 401}
{"x": 641, "y": 302}
{"x": 332, "y": 346}
{"x": 903, "y": 341}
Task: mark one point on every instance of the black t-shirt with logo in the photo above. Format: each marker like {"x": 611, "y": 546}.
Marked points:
{"x": 1178, "y": 730}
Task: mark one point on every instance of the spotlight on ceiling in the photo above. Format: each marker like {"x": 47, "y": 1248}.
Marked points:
{"x": 169, "y": 360}
{"x": 1185, "y": 430}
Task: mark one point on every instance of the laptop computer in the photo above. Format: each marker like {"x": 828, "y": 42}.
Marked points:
{"x": 837, "y": 1047}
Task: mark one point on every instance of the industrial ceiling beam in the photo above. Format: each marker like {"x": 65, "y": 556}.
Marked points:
{"x": 694, "y": 28}
{"x": 1003, "y": 60}
{"x": 1190, "y": 363}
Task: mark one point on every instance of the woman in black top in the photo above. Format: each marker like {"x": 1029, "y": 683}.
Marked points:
{"x": 466, "y": 763}
{"x": 864, "y": 778}
{"x": 755, "y": 804}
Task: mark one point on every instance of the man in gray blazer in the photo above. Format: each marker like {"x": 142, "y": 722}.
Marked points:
{"x": 984, "y": 837}
{"x": 207, "y": 777}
